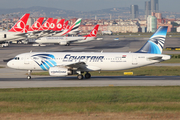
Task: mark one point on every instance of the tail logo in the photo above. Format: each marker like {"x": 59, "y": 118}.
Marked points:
{"x": 46, "y": 26}
{"x": 59, "y": 26}
{"x": 37, "y": 25}
{"x": 94, "y": 32}
{"x": 19, "y": 27}
{"x": 156, "y": 43}
{"x": 159, "y": 41}
{"x": 52, "y": 25}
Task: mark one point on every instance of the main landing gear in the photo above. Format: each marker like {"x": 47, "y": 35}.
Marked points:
{"x": 29, "y": 74}
{"x": 87, "y": 76}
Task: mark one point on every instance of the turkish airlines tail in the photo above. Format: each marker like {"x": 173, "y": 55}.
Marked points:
{"x": 65, "y": 25}
{"x": 59, "y": 25}
{"x": 20, "y": 26}
{"x": 36, "y": 25}
{"x": 93, "y": 33}
{"x": 46, "y": 24}
{"x": 53, "y": 24}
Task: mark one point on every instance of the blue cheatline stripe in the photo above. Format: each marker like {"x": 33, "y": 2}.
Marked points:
{"x": 47, "y": 67}
{"x": 53, "y": 62}
{"x": 42, "y": 67}
{"x": 49, "y": 63}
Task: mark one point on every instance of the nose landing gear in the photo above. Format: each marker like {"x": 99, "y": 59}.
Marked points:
{"x": 29, "y": 74}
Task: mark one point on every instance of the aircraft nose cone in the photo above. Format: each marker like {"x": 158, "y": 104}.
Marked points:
{"x": 9, "y": 64}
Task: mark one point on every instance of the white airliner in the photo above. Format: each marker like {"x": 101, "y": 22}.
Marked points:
{"x": 68, "y": 40}
{"x": 17, "y": 32}
{"x": 69, "y": 63}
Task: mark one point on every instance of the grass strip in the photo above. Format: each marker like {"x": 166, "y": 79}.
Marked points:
{"x": 90, "y": 99}
{"x": 142, "y": 71}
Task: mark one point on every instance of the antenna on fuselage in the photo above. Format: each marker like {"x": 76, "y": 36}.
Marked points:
{"x": 31, "y": 51}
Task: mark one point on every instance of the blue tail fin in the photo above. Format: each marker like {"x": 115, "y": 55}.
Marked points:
{"x": 156, "y": 42}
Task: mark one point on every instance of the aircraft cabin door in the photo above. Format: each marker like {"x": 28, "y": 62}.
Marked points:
{"x": 134, "y": 60}
{"x": 26, "y": 59}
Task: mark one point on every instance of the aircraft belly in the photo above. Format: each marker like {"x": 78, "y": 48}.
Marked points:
{"x": 115, "y": 65}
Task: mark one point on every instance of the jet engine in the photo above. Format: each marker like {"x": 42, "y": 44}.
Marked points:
{"x": 64, "y": 43}
{"x": 59, "y": 71}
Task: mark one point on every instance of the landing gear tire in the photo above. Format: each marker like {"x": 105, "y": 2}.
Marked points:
{"x": 28, "y": 77}
{"x": 80, "y": 77}
{"x": 29, "y": 74}
{"x": 87, "y": 75}
{"x": 68, "y": 44}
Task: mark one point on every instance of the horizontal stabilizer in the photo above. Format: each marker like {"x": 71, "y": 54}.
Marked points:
{"x": 155, "y": 58}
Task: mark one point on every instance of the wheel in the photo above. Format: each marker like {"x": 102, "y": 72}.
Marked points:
{"x": 87, "y": 75}
{"x": 28, "y": 77}
{"x": 80, "y": 77}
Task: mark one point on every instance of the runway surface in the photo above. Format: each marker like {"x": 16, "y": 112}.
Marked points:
{"x": 10, "y": 78}
{"x": 17, "y": 79}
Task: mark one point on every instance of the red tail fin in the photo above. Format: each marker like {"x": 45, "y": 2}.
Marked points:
{"x": 21, "y": 24}
{"x": 36, "y": 25}
{"x": 59, "y": 25}
{"x": 46, "y": 24}
{"x": 53, "y": 24}
{"x": 93, "y": 33}
{"x": 65, "y": 25}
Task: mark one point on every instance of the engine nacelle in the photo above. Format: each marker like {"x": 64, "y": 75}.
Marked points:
{"x": 63, "y": 43}
{"x": 59, "y": 71}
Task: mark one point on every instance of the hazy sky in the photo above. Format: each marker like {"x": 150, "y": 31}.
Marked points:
{"x": 88, "y": 5}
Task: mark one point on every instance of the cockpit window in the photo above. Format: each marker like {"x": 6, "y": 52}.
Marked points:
{"x": 16, "y": 58}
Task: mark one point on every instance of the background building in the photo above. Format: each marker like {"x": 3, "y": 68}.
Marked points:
{"x": 147, "y": 9}
{"x": 134, "y": 11}
{"x": 154, "y": 6}
{"x": 151, "y": 23}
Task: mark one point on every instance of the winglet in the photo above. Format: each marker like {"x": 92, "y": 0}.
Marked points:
{"x": 156, "y": 42}
{"x": 20, "y": 26}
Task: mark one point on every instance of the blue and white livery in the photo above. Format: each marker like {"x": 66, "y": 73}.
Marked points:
{"x": 156, "y": 43}
{"x": 69, "y": 63}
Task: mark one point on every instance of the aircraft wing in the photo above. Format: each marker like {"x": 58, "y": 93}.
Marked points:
{"x": 21, "y": 34}
{"x": 155, "y": 58}
{"x": 81, "y": 66}
{"x": 74, "y": 65}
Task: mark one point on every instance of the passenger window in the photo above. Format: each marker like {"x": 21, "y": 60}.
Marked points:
{"x": 16, "y": 58}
